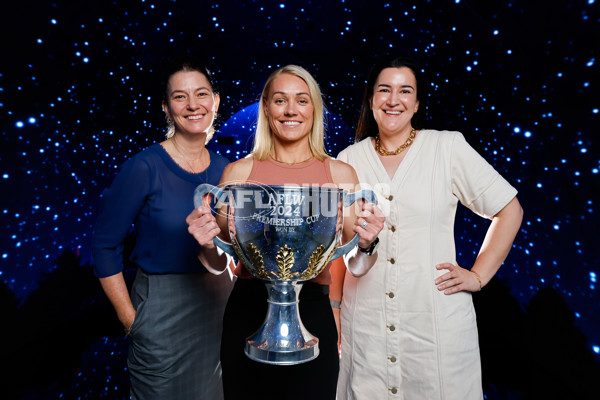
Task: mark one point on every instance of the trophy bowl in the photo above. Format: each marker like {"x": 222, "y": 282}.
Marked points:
{"x": 284, "y": 235}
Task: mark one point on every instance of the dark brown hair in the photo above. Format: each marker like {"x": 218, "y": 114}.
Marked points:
{"x": 184, "y": 64}
{"x": 366, "y": 125}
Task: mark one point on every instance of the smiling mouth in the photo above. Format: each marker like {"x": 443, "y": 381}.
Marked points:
{"x": 195, "y": 117}
{"x": 291, "y": 123}
{"x": 392, "y": 112}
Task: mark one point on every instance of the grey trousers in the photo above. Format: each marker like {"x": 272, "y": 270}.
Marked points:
{"x": 176, "y": 335}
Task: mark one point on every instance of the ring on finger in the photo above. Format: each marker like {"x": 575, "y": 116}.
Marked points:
{"x": 364, "y": 224}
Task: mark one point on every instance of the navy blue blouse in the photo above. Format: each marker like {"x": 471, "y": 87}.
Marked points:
{"x": 155, "y": 195}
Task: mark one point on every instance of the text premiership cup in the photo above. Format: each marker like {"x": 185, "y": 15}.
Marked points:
{"x": 284, "y": 235}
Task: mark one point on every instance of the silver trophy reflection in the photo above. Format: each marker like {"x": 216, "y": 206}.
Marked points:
{"x": 283, "y": 235}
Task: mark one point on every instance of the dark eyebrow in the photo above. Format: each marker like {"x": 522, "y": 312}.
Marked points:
{"x": 389, "y": 86}
{"x": 195, "y": 90}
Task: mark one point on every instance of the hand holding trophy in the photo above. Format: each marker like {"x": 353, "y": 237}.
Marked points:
{"x": 284, "y": 235}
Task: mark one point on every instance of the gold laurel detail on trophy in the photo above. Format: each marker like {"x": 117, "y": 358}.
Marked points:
{"x": 285, "y": 261}
{"x": 314, "y": 263}
{"x": 237, "y": 250}
{"x": 330, "y": 255}
{"x": 256, "y": 259}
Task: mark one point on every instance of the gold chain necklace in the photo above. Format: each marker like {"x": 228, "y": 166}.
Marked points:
{"x": 384, "y": 152}
{"x": 293, "y": 163}
{"x": 186, "y": 159}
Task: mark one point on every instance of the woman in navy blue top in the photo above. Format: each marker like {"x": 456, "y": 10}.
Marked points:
{"x": 175, "y": 309}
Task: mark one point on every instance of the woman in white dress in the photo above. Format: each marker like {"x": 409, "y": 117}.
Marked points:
{"x": 408, "y": 326}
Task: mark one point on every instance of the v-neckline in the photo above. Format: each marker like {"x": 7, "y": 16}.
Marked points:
{"x": 379, "y": 168}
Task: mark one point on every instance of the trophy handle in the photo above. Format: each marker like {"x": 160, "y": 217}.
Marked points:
{"x": 367, "y": 194}
{"x": 349, "y": 199}
{"x": 220, "y": 195}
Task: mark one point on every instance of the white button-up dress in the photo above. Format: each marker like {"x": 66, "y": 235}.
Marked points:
{"x": 401, "y": 337}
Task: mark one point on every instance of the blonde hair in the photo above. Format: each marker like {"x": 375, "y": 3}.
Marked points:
{"x": 263, "y": 139}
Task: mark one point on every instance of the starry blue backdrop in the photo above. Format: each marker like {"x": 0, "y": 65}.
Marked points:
{"x": 80, "y": 93}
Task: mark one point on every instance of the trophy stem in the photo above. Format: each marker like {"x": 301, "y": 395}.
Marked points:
{"x": 282, "y": 339}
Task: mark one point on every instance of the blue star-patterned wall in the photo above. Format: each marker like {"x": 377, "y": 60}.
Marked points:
{"x": 79, "y": 94}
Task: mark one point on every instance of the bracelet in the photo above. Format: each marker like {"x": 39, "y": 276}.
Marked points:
{"x": 478, "y": 279}
{"x": 335, "y": 303}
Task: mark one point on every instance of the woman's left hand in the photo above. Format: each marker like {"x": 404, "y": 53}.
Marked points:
{"x": 369, "y": 222}
{"x": 457, "y": 279}
{"x": 203, "y": 226}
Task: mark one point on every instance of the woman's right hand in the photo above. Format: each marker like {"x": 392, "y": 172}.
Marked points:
{"x": 116, "y": 290}
{"x": 369, "y": 223}
{"x": 128, "y": 323}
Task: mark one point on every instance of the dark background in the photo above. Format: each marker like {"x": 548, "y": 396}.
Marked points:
{"x": 80, "y": 93}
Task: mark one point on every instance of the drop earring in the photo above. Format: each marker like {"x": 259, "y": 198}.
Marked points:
{"x": 170, "y": 126}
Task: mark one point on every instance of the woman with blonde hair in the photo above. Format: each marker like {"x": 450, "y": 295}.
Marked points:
{"x": 288, "y": 149}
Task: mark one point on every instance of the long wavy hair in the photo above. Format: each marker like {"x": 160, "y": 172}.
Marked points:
{"x": 366, "y": 126}
{"x": 263, "y": 138}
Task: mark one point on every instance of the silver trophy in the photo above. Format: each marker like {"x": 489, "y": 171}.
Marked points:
{"x": 283, "y": 235}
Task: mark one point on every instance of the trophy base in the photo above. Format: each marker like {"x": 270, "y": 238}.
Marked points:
{"x": 282, "y": 339}
{"x": 255, "y": 353}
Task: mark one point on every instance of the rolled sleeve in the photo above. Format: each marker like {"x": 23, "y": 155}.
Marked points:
{"x": 476, "y": 184}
